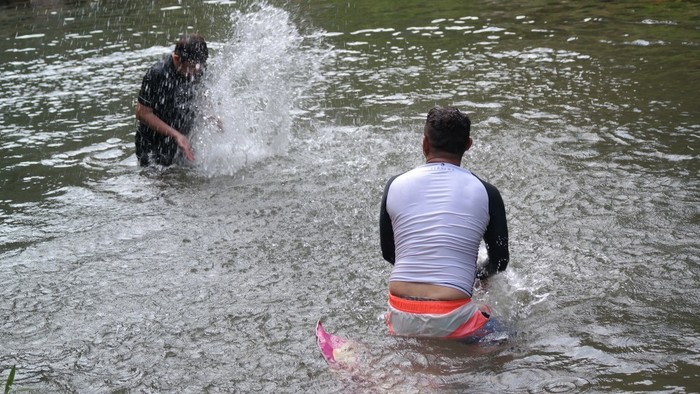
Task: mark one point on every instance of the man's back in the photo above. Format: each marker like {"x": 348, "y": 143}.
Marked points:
{"x": 439, "y": 213}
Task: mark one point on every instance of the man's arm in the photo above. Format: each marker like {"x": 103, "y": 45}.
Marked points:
{"x": 496, "y": 235}
{"x": 386, "y": 230}
{"x": 145, "y": 115}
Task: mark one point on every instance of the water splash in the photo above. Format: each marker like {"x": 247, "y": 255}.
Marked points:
{"x": 255, "y": 82}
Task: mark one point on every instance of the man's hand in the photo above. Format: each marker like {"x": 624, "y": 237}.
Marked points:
{"x": 185, "y": 146}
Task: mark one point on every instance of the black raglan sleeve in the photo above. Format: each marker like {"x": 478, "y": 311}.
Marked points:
{"x": 148, "y": 94}
{"x": 496, "y": 235}
{"x": 386, "y": 230}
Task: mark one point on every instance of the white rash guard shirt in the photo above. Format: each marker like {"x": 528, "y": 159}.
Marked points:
{"x": 432, "y": 221}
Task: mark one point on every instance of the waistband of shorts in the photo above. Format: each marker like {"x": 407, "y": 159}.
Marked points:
{"x": 425, "y": 306}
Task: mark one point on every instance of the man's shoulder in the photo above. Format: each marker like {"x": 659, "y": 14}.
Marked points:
{"x": 392, "y": 178}
{"x": 483, "y": 181}
{"x": 160, "y": 68}
{"x": 491, "y": 190}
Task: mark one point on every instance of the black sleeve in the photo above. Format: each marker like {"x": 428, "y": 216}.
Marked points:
{"x": 386, "y": 230}
{"x": 151, "y": 88}
{"x": 145, "y": 94}
{"x": 496, "y": 235}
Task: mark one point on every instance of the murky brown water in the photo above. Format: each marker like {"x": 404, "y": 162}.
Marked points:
{"x": 211, "y": 278}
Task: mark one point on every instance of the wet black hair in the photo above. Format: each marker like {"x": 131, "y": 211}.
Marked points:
{"x": 447, "y": 130}
{"x": 192, "y": 48}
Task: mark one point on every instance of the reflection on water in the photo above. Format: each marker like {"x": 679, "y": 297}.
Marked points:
{"x": 211, "y": 278}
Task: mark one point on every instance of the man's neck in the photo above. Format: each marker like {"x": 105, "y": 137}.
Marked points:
{"x": 442, "y": 159}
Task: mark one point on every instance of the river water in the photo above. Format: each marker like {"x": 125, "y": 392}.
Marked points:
{"x": 211, "y": 277}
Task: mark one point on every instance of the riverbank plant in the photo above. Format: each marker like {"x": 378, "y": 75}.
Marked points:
{"x": 10, "y": 379}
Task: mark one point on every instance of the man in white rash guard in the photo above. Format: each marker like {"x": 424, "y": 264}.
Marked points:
{"x": 431, "y": 223}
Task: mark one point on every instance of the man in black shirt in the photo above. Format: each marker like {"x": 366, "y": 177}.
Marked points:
{"x": 165, "y": 109}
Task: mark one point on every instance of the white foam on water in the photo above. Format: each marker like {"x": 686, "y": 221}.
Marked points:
{"x": 254, "y": 84}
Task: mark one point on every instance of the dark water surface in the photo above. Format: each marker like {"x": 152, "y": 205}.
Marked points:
{"x": 210, "y": 277}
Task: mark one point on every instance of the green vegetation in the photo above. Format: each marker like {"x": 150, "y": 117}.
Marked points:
{"x": 10, "y": 379}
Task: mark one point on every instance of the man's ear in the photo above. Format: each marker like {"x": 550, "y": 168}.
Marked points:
{"x": 176, "y": 59}
{"x": 469, "y": 144}
{"x": 426, "y": 146}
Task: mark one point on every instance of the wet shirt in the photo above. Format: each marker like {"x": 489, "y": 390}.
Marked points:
{"x": 432, "y": 221}
{"x": 171, "y": 97}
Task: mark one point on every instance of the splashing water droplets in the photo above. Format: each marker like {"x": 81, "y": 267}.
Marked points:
{"x": 252, "y": 86}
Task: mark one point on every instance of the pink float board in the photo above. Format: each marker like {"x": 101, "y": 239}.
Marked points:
{"x": 328, "y": 343}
